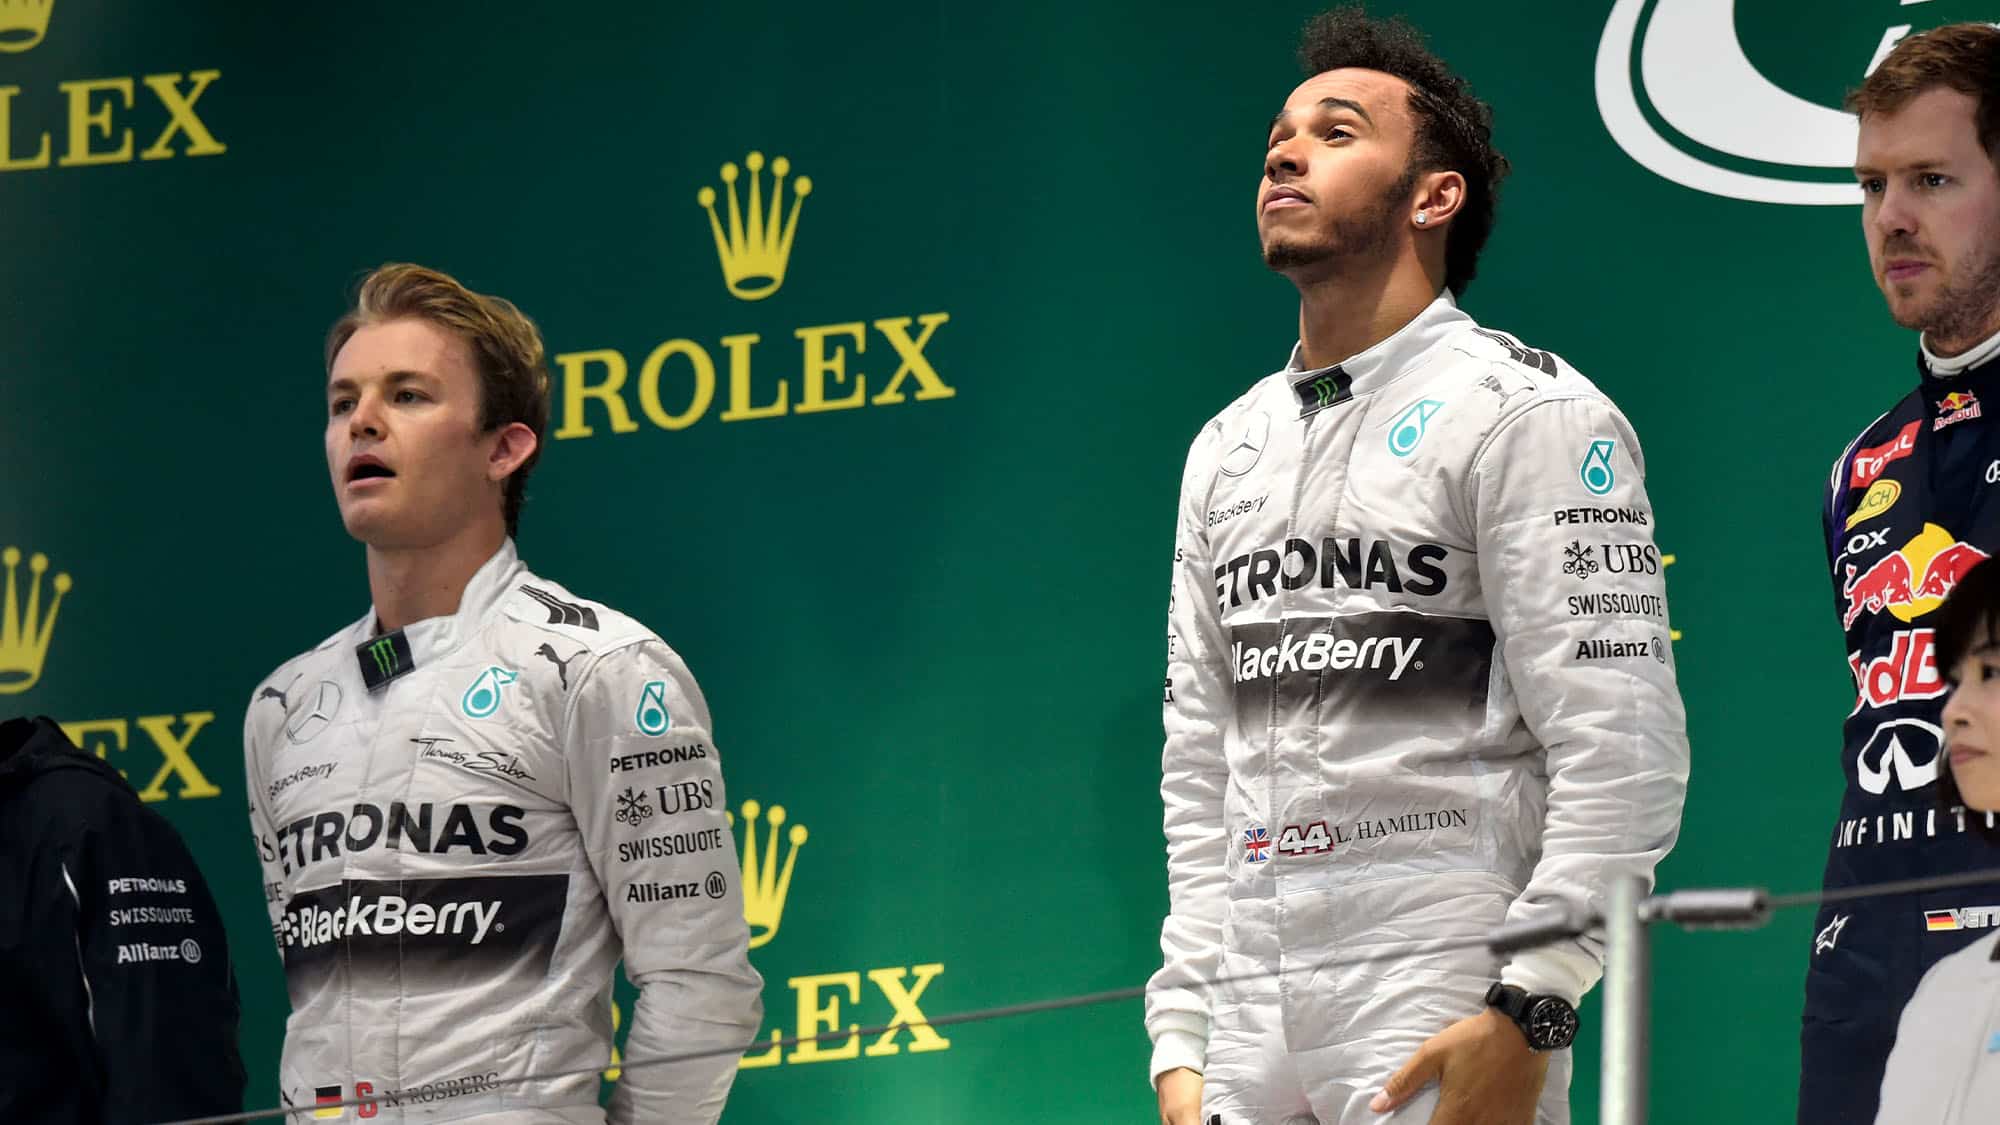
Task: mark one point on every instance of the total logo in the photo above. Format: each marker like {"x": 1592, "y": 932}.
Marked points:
{"x": 1679, "y": 92}
{"x": 1910, "y": 582}
{"x": 1870, "y": 462}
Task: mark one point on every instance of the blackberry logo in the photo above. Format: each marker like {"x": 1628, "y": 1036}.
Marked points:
{"x": 388, "y": 915}
{"x": 400, "y": 925}
{"x": 1316, "y": 651}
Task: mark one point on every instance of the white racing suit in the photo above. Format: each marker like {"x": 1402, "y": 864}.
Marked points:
{"x": 1945, "y": 1068}
{"x": 463, "y": 825}
{"x": 1419, "y": 685}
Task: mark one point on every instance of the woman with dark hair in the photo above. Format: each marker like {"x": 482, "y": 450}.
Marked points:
{"x": 1945, "y": 1067}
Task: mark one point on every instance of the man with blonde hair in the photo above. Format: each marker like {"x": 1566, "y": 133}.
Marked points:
{"x": 1910, "y": 507}
{"x": 473, "y": 800}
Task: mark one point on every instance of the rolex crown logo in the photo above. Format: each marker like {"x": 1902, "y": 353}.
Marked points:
{"x": 24, "y": 640}
{"x": 765, "y": 887}
{"x": 754, "y": 254}
{"x": 22, "y": 25}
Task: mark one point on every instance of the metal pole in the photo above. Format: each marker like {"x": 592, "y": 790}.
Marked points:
{"x": 1626, "y": 971}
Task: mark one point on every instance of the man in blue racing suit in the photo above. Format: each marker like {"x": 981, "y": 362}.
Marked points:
{"x": 1912, "y": 504}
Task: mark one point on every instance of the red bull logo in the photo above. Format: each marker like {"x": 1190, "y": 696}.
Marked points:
{"x": 1955, "y": 407}
{"x": 1907, "y": 671}
{"x": 1911, "y": 582}
{"x": 1869, "y": 462}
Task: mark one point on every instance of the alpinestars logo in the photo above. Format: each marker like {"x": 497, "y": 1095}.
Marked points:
{"x": 387, "y": 915}
{"x": 1316, "y": 651}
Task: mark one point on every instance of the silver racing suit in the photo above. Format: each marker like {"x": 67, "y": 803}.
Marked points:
{"x": 463, "y": 825}
{"x": 1419, "y": 684}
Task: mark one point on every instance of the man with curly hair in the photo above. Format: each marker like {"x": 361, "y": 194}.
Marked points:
{"x": 1418, "y": 682}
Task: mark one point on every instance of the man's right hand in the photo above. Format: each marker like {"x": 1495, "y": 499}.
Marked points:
{"x": 1180, "y": 1097}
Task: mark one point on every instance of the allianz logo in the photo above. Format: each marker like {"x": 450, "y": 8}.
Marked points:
{"x": 1680, "y": 95}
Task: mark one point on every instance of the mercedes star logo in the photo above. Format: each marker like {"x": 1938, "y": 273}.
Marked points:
{"x": 1248, "y": 446}
{"x": 307, "y": 724}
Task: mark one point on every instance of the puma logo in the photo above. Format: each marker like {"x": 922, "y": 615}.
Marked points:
{"x": 562, "y": 666}
{"x": 284, "y": 704}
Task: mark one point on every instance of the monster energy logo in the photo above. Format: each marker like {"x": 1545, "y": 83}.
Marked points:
{"x": 1317, "y": 392}
{"x": 384, "y": 652}
{"x": 384, "y": 658}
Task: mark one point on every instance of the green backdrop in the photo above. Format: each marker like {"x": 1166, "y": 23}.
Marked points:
{"x": 929, "y": 625}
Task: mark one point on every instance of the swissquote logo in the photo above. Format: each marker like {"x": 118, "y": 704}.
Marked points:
{"x": 28, "y": 625}
{"x": 847, "y": 365}
{"x": 1681, "y": 95}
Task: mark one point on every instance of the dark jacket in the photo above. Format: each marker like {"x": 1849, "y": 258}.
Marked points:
{"x": 117, "y": 999}
{"x": 1911, "y": 505}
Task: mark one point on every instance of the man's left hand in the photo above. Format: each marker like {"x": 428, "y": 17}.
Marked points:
{"x": 1485, "y": 1070}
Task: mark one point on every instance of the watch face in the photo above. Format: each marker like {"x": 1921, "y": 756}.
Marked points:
{"x": 1552, "y": 1024}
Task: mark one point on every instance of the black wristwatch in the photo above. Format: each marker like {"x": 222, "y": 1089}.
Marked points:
{"x": 1549, "y": 1022}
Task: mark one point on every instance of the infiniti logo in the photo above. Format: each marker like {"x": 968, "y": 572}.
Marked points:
{"x": 1885, "y": 758}
{"x": 1249, "y": 446}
